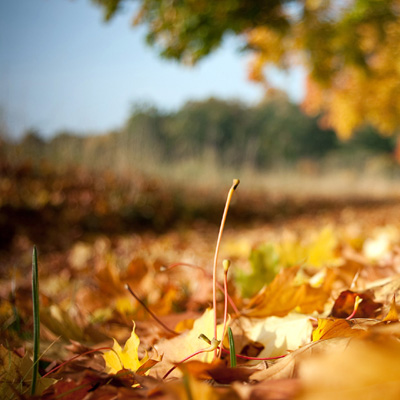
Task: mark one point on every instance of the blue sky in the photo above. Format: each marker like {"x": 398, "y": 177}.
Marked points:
{"x": 63, "y": 68}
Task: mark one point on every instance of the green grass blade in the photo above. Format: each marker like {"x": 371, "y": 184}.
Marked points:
{"x": 36, "y": 320}
{"x": 232, "y": 348}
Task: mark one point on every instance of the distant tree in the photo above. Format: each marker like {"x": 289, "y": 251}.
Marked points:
{"x": 32, "y": 145}
{"x": 230, "y": 133}
{"x": 350, "y": 49}
{"x": 3, "y": 126}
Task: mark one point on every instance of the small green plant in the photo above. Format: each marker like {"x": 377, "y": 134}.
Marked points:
{"x": 232, "y": 351}
{"x": 36, "y": 320}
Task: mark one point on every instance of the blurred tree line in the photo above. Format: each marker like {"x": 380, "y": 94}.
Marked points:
{"x": 212, "y": 132}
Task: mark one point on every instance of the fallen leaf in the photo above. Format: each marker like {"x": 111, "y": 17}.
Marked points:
{"x": 344, "y": 305}
{"x": 187, "y": 343}
{"x": 277, "y": 335}
{"x": 16, "y": 375}
{"x": 284, "y": 294}
{"x": 392, "y": 315}
{"x": 217, "y": 370}
{"x": 329, "y": 328}
{"x": 127, "y": 357}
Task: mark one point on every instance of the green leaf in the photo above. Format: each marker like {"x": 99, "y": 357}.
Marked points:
{"x": 232, "y": 349}
{"x": 264, "y": 261}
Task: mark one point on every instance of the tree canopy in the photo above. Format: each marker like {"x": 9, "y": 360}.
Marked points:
{"x": 349, "y": 48}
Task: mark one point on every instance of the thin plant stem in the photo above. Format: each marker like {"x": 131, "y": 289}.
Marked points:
{"x": 36, "y": 320}
{"x": 149, "y": 311}
{"x": 221, "y": 229}
{"x": 211, "y": 348}
{"x": 77, "y": 356}
{"x": 254, "y": 358}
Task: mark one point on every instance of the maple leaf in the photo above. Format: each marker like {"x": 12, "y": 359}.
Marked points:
{"x": 16, "y": 375}
{"x": 179, "y": 347}
{"x": 284, "y": 294}
{"x": 127, "y": 357}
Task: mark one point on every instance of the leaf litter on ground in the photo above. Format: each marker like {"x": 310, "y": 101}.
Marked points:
{"x": 325, "y": 300}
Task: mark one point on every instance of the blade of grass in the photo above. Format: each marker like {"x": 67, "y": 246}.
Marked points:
{"x": 232, "y": 350}
{"x": 36, "y": 320}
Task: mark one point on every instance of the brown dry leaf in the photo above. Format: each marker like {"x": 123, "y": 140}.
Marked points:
{"x": 217, "y": 370}
{"x": 366, "y": 369}
{"x": 329, "y": 328}
{"x": 109, "y": 281}
{"x": 283, "y": 295}
{"x": 384, "y": 289}
{"x": 60, "y": 323}
{"x": 95, "y": 385}
{"x": 344, "y": 305}
{"x": 136, "y": 270}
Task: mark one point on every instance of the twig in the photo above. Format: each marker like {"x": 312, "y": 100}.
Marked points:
{"x": 149, "y": 311}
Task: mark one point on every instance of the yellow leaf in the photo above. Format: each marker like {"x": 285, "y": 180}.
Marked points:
{"x": 126, "y": 358}
{"x": 318, "y": 251}
{"x": 283, "y": 295}
{"x": 322, "y": 250}
{"x": 329, "y": 328}
{"x": 392, "y": 315}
